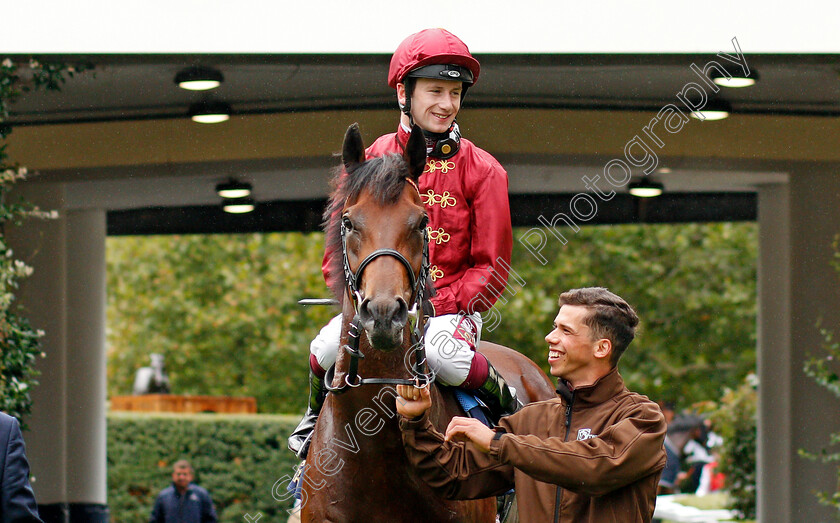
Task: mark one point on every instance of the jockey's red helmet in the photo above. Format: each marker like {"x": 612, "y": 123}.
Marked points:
{"x": 433, "y": 53}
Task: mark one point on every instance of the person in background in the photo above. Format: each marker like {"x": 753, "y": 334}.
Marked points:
{"x": 711, "y": 478}
{"x": 17, "y": 501}
{"x": 695, "y": 456}
{"x": 183, "y": 501}
{"x": 592, "y": 454}
{"x": 668, "y": 481}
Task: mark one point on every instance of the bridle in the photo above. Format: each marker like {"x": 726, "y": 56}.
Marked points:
{"x": 415, "y": 313}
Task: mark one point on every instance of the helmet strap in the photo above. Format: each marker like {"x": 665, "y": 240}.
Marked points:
{"x": 408, "y": 84}
{"x": 443, "y": 145}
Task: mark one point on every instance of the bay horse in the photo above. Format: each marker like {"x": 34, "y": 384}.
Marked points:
{"x": 357, "y": 470}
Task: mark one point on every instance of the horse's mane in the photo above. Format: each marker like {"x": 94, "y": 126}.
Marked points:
{"x": 385, "y": 177}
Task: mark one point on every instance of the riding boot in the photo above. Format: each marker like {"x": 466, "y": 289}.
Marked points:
{"x": 498, "y": 395}
{"x": 299, "y": 438}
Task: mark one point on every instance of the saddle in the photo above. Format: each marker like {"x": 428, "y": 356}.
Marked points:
{"x": 475, "y": 408}
{"x": 472, "y": 405}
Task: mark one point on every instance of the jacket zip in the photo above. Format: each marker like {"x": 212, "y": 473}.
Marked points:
{"x": 181, "y": 505}
{"x": 558, "y": 496}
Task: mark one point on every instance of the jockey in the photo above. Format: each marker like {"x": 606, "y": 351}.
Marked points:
{"x": 464, "y": 190}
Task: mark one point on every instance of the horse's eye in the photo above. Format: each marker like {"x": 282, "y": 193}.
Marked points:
{"x": 424, "y": 222}
{"x": 348, "y": 225}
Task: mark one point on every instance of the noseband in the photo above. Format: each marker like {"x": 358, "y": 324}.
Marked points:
{"x": 415, "y": 311}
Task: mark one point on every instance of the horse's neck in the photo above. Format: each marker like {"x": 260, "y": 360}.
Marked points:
{"x": 360, "y": 411}
{"x": 349, "y": 464}
{"x": 365, "y": 423}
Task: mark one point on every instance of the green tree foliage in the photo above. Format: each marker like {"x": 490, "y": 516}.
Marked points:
{"x": 693, "y": 285}
{"x": 734, "y": 418}
{"x": 240, "y": 460}
{"x": 19, "y": 341}
{"x": 223, "y": 311}
{"x": 825, "y": 370}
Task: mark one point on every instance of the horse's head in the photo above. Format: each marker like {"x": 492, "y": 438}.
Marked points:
{"x": 382, "y": 228}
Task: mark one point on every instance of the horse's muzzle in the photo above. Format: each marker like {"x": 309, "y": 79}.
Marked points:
{"x": 384, "y": 320}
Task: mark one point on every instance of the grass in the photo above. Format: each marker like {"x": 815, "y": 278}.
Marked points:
{"x": 711, "y": 501}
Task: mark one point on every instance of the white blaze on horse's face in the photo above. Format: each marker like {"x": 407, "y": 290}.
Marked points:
{"x": 385, "y": 286}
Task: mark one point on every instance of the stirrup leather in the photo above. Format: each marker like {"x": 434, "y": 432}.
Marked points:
{"x": 300, "y": 437}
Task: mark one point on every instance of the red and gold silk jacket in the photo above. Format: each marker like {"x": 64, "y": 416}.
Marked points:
{"x": 470, "y": 238}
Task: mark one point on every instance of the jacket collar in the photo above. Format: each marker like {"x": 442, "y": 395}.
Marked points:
{"x": 403, "y": 135}
{"x": 178, "y": 492}
{"x": 607, "y": 387}
{"x": 438, "y": 145}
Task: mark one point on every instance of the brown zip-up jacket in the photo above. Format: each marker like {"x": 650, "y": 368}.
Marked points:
{"x": 594, "y": 454}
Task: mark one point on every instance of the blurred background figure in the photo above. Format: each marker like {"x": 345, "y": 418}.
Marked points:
{"x": 668, "y": 480}
{"x": 17, "y": 501}
{"x": 152, "y": 379}
{"x": 689, "y": 435}
{"x": 711, "y": 478}
{"x": 183, "y": 501}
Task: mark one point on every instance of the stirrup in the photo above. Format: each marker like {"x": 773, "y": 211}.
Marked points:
{"x": 504, "y": 504}
{"x": 300, "y": 438}
{"x": 304, "y": 448}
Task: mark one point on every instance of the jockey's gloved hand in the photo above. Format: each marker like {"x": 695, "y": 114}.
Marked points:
{"x": 428, "y": 309}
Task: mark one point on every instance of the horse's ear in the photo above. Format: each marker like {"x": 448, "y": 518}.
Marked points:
{"x": 415, "y": 153}
{"x": 353, "y": 150}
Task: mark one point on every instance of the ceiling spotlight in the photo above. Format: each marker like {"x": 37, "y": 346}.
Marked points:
{"x": 713, "y": 110}
{"x": 733, "y": 80}
{"x": 199, "y": 79}
{"x": 210, "y": 112}
{"x": 238, "y": 205}
{"x": 645, "y": 188}
{"x": 233, "y": 189}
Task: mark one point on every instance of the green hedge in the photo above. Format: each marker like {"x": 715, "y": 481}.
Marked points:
{"x": 734, "y": 418}
{"x": 238, "y": 459}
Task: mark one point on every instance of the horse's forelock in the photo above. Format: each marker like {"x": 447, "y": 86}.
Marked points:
{"x": 384, "y": 177}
